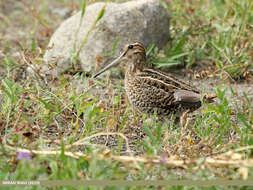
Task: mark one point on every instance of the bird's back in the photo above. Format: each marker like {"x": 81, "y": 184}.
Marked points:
{"x": 152, "y": 91}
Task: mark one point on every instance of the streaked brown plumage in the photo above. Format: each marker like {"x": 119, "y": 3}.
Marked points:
{"x": 151, "y": 90}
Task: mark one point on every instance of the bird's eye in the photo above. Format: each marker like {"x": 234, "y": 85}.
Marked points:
{"x": 130, "y": 47}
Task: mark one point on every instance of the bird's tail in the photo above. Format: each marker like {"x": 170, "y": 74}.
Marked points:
{"x": 209, "y": 98}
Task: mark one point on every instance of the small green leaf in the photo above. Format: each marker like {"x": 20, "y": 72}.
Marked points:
{"x": 150, "y": 48}
{"x": 115, "y": 44}
{"x": 83, "y": 8}
{"x": 150, "y": 134}
{"x": 63, "y": 157}
{"x": 219, "y": 64}
{"x": 7, "y": 92}
{"x": 159, "y": 133}
{"x": 33, "y": 45}
{"x": 101, "y": 14}
{"x": 9, "y": 62}
{"x": 11, "y": 89}
{"x": 243, "y": 120}
{"x": 180, "y": 44}
{"x": 47, "y": 105}
{"x": 81, "y": 110}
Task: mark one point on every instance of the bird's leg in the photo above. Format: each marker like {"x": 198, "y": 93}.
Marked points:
{"x": 183, "y": 119}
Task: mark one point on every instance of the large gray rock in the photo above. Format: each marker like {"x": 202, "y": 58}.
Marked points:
{"x": 143, "y": 20}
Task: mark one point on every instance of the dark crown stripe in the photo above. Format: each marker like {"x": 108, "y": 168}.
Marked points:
{"x": 139, "y": 46}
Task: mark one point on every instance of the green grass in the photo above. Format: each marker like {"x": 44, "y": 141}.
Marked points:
{"x": 39, "y": 114}
{"x": 211, "y": 32}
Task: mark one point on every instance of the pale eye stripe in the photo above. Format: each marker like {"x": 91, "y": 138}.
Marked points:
{"x": 139, "y": 46}
{"x": 160, "y": 81}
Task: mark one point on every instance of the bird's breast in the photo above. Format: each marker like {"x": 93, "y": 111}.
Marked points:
{"x": 141, "y": 96}
{"x": 134, "y": 91}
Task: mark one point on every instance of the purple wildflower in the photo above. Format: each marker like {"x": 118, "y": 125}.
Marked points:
{"x": 23, "y": 156}
{"x": 163, "y": 160}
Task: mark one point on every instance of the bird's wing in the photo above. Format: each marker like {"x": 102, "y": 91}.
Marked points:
{"x": 166, "y": 93}
{"x": 167, "y": 79}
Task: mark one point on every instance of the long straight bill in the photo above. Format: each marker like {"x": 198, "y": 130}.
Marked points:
{"x": 109, "y": 66}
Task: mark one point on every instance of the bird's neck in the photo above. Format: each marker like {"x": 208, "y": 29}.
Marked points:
{"x": 136, "y": 65}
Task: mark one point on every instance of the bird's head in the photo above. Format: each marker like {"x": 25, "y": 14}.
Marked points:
{"x": 134, "y": 55}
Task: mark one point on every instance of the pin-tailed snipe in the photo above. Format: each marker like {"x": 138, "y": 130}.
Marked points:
{"x": 150, "y": 90}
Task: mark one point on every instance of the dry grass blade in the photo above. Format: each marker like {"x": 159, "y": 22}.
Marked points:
{"x": 216, "y": 161}
{"x": 82, "y": 141}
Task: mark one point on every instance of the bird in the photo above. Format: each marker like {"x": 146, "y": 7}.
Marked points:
{"x": 152, "y": 91}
